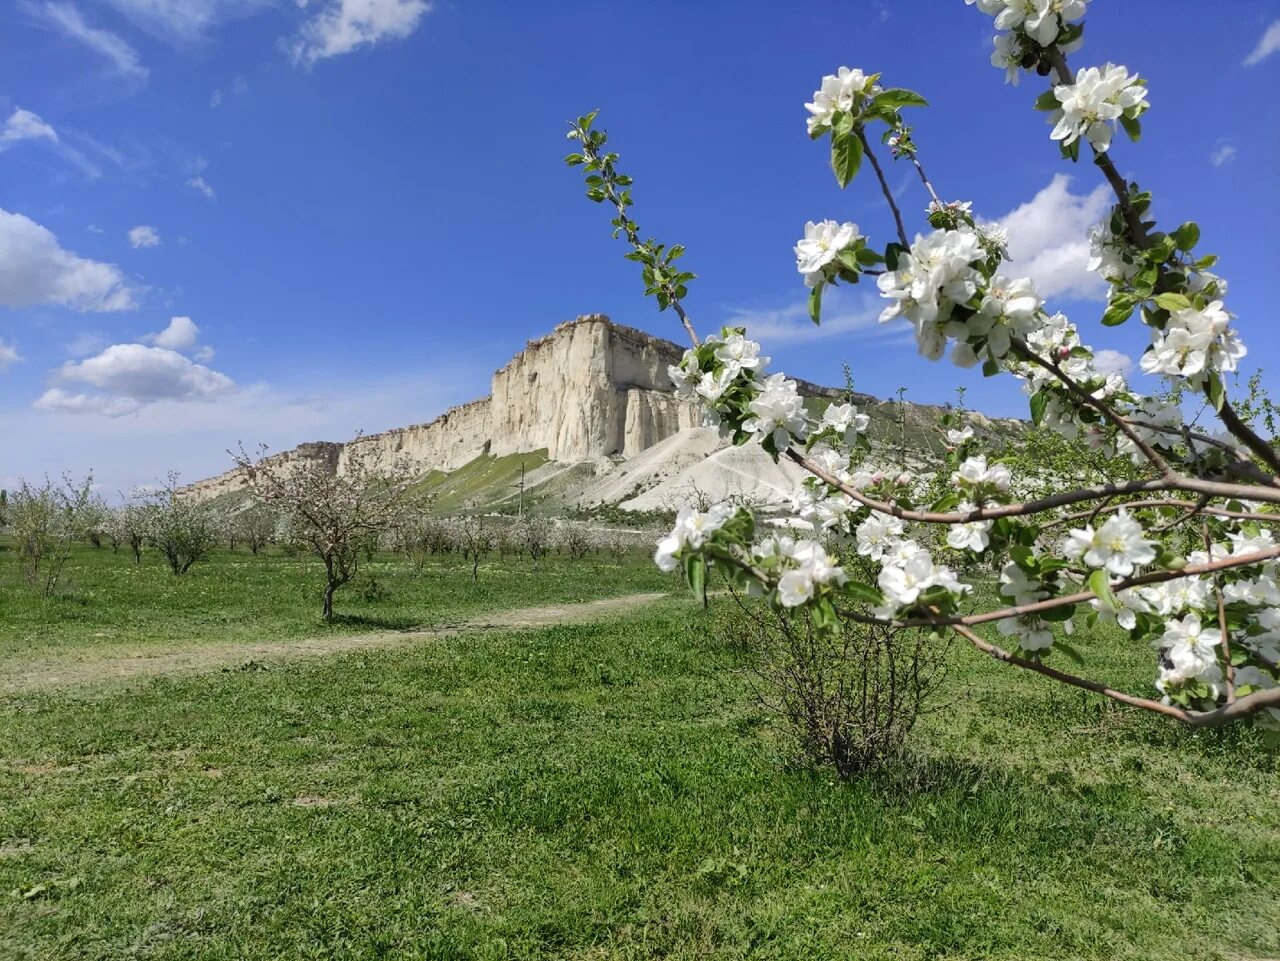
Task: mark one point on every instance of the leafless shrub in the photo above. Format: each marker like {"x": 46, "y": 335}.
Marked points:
{"x": 575, "y": 540}
{"x": 849, "y": 695}
{"x": 477, "y": 540}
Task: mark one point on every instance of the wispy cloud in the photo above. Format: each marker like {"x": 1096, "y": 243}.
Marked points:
{"x": 1222, "y": 154}
{"x": 201, "y": 185}
{"x": 8, "y": 355}
{"x": 24, "y": 125}
{"x": 67, "y": 19}
{"x": 845, "y": 313}
{"x": 185, "y": 21}
{"x": 1268, "y": 44}
{"x": 1106, "y": 361}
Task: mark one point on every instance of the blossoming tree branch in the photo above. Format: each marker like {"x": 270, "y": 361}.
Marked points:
{"x": 1114, "y": 549}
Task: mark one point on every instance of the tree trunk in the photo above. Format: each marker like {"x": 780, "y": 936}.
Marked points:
{"x": 330, "y": 585}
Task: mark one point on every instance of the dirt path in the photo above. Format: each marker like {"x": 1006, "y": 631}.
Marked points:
{"x": 129, "y": 663}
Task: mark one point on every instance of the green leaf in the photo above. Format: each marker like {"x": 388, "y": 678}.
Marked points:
{"x": 1048, "y": 101}
{"x": 1118, "y": 311}
{"x": 863, "y": 593}
{"x": 896, "y": 97}
{"x": 842, "y": 124}
{"x": 1186, "y": 236}
{"x": 849, "y": 258}
{"x": 1058, "y": 614}
{"x": 695, "y": 573}
{"x": 815, "y": 302}
{"x": 1172, "y": 301}
{"x": 1214, "y": 390}
{"x": 1132, "y": 127}
{"x": 1039, "y": 401}
{"x": 1100, "y": 583}
{"x": 891, "y": 253}
{"x": 846, "y": 158}
{"x": 868, "y": 257}
{"x": 1070, "y": 651}
{"x": 990, "y": 367}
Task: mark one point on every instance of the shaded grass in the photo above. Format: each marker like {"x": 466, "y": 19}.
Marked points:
{"x": 609, "y": 791}
{"x": 234, "y": 596}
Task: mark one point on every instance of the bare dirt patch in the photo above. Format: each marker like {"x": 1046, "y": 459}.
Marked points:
{"x": 123, "y": 662}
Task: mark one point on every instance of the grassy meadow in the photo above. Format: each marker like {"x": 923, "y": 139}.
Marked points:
{"x": 592, "y": 790}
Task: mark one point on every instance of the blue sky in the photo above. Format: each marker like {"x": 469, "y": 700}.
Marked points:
{"x": 360, "y": 205}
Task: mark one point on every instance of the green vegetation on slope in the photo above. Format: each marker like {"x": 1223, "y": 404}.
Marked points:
{"x": 481, "y": 482}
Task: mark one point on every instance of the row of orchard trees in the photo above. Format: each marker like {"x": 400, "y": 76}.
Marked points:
{"x": 341, "y": 520}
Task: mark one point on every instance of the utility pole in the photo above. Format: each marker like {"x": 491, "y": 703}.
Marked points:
{"x": 522, "y": 488}
{"x": 902, "y": 419}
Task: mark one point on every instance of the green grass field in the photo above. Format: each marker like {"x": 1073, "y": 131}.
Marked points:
{"x": 591, "y": 791}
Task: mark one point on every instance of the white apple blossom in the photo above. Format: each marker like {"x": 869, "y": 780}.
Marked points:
{"x": 878, "y": 535}
{"x": 1009, "y": 308}
{"x": 1117, "y": 546}
{"x": 1193, "y": 343}
{"x": 1110, "y": 254}
{"x": 1018, "y": 587}
{"x": 973, "y": 536}
{"x": 1189, "y": 652}
{"x": 1032, "y": 633}
{"x": 957, "y": 437}
{"x": 845, "y": 91}
{"x": 821, "y": 244}
{"x": 692, "y": 529}
{"x": 931, "y": 277}
{"x": 1089, "y": 106}
{"x": 737, "y": 353}
{"x": 1173, "y": 597}
{"x": 845, "y": 421}
{"x": 777, "y": 412}
{"x": 904, "y": 581}
{"x": 714, "y": 384}
{"x": 976, "y": 474}
{"x": 1260, "y": 591}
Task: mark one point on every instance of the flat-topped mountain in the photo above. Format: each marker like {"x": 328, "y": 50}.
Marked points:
{"x": 590, "y": 410}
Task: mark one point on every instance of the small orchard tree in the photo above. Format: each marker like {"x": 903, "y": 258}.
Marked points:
{"x": 45, "y": 520}
{"x": 1105, "y": 547}
{"x": 332, "y": 515}
{"x": 181, "y": 527}
{"x": 476, "y": 539}
{"x": 257, "y": 525}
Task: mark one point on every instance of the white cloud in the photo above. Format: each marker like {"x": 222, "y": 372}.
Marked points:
{"x": 127, "y": 377}
{"x": 67, "y": 19}
{"x": 35, "y": 269}
{"x": 844, "y": 312}
{"x": 344, "y": 25}
{"x": 1048, "y": 239}
{"x": 1268, "y": 44}
{"x": 184, "y": 21}
{"x": 8, "y": 355}
{"x": 181, "y": 334}
{"x": 25, "y": 125}
{"x": 94, "y": 229}
{"x": 200, "y": 184}
{"x": 193, "y": 436}
{"x": 1222, "y": 154}
{"x": 215, "y": 99}
{"x": 144, "y": 236}
{"x": 1106, "y": 361}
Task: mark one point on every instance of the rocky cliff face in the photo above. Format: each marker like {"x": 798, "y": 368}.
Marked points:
{"x": 590, "y": 389}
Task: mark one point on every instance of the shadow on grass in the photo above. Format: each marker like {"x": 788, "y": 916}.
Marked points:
{"x": 381, "y": 622}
